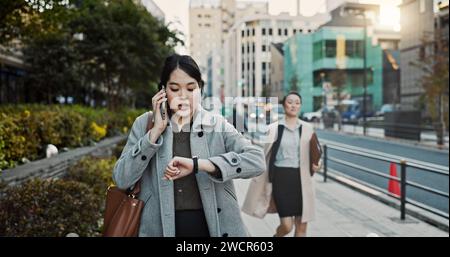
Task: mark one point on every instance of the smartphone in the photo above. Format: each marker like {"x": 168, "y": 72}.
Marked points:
{"x": 163, "y": 108}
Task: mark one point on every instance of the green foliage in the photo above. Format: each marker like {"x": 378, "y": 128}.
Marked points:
{"x": 94, "y": 172}
{"x": 49, "y": 208}
{"x": 91, "y": 50}
{"x": 26, "y": 129}
{"x": 74, "y": 203}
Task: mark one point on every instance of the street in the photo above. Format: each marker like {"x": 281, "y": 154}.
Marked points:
{"x": 429, "y": 179}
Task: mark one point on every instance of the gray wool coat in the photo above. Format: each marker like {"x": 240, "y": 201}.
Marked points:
{"x": 213, "y": 138}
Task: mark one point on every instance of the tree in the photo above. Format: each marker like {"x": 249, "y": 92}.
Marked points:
{"x": 123, "y": 48}
{"x": 109, "y": 50}
{"x": 52, "y": 61}
{"x": 294, "y": 83}
{"x": 338, "y": 80}
{"x": 434, "y": 64}
{"x": 22, "y": 19}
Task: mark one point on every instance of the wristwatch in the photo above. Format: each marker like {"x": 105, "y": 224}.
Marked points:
{"x": 195, "y": 160}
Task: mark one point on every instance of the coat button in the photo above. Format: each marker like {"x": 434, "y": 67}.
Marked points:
{"x": 144, "y": 157}
{"x": 219, "y": 210}
{"x": 234, "y": 160}
{"x": 238, "y": 170}
{"x": 225, "y": 235}
{"x": 200, "y": 134}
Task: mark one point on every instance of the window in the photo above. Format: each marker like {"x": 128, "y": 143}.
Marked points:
{"x": 317, "y": 51}
{"x": 263, "y": 66}
{"x": 294, "y": 31}
{"x": 253, "y": 65}
{"x": 317, "y": 78}
{"x": 330, "y": 48}
{"x": 309, "y": 31}
{"x": 279, "y": 32}
{"x": 199, "y": 15}
{"x": 301, "y": 30}
{"x": 253, "y": 85}
{"x": 317, "y": 102}
{"x": 263, "y": 48}
{"x": 207, "y": 25}
{"x": 242, "y": 49}
{"x": 253, "y": 32}
{"x": 253, "y": 47}
{"x": 357, "y": 78}
{"x": 263, "y": 31}
{"x": 243, "y": 67}
{"x": 248, "y": 32}
{"x": 248, "y": 48}
{"x": 285, "y": 32}
{"x": 270, "y": 32}
{"x": 243, "y": 33}
{"x": 354, "y": 48}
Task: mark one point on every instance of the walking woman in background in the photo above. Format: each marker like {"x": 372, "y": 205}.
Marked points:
{"x": 287, "y": 186}
{"x": 187, "y": 161}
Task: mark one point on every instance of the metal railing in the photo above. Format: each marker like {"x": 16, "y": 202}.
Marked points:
{"x": 404, "y": 163}
{"x": 381, "y": 128}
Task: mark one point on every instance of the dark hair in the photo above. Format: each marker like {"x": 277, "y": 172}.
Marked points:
{"x": 183, "y": 62}
{"x": 292, "y": 93}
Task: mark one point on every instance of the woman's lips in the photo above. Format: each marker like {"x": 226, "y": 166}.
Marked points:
{"x": 183, "y": 106}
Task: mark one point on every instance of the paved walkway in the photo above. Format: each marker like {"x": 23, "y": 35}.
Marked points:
{"x": 343, "y": 212}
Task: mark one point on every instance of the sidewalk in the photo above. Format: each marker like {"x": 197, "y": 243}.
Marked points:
{"x": 342, "y": 212}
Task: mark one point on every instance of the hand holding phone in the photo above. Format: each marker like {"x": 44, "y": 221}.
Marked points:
{"x": 163, "y": 107}
{"x": 160, "y": 121}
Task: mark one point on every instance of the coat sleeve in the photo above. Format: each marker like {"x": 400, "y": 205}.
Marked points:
{"x": 241, "y": 160}
{"x": 135, "y": 155}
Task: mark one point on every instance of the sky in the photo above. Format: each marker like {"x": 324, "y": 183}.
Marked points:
{"x": 177, "y": 12}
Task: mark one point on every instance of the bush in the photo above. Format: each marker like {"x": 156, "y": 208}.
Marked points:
{"x": 94, "y": 172}
{"x": 17, "y": 140}
{"x": 50, "y": 208}
{"x": 26, "y": 129}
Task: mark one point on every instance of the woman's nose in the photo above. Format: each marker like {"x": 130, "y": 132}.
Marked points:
{"x": 184, "y": 94}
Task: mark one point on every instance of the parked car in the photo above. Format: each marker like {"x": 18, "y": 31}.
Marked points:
{"x": 385, "y": 108}
{"x": 313, "y": 116}
{"x": 352, "y": 111}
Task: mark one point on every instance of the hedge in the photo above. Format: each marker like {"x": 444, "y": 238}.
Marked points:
{"x": 25, "y": 130}
{"x": 73, "y": 204}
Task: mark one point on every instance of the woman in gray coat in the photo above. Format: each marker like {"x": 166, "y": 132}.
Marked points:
{"x": 187, "y": 161}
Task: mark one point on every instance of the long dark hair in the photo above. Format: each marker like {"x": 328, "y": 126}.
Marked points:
{"x": 183, "y": 62}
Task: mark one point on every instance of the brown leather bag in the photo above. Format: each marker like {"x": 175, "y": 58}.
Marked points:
{"x": 123, "y": 208}
{"x": 315, "y": 152}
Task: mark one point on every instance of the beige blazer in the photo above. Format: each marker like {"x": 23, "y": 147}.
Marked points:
{"x": 259, "y": 202}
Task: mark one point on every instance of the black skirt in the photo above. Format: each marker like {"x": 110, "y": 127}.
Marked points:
{"x": 287, "y": 191}
{"x": 191, "y": 223}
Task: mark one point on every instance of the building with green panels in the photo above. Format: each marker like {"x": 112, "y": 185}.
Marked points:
{"x": 312, "y": 59}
